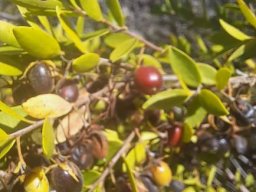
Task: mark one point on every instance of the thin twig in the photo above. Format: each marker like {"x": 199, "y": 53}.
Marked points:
{"x": 125, "y": 147}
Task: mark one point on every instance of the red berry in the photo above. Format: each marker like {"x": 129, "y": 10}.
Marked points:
{"x": 148, "y": 79}
{"x": 174, "y": 136}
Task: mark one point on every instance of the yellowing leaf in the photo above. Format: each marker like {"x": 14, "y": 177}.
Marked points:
{"x": 4, "y": 137}
{"x": 212, "y": 103}
{"x": 247, "y": 12}
{"x": 123, "y": 49}
{"x": 92, "y": 9}
{"x": 222, "y": 78}
{"x": 116, "y": 11}
{"x": 46, "y": 105}
{"x": 233, "y": 31}
{"x": 6, "y": 34}
{"x": 86, "y": 62}
{"x": 6, "y": 148}
{"x": 9, "y": 70}
{"x": 48, "y": 138}
{"x": 37, "y": 42}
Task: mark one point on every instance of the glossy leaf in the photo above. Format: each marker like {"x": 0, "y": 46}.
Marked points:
{"x": 8, "y": 110}
{"x": 123, "y": 49}
{"x": 69, "y": 32}
{"x": 6, "y": 34}
{"x": 92, "y": 8}
{"x": 46, "y": 105}
{"x": 48, "y": 138}
{"x": 212, "y": 103}
{"x": 195, "y": 113}
{"x": 184, "y": 67}
{"x": 116, "y": 11}
{"x": 9, "y": 70}
{"x": 233, "y": 31}
{"x": 86, "y": 62}
{"x": 46, "y": 4}
{"x": 6, "y": 148}
{"x": 208, "y": 74}
{"x": 40, "y": 45}
{"x": 9, "y": 121}
{"x": 166, "y": 99}
{"x": 222, "y": 78}
{"x": 115, "y": 39}
{"x": 247, "y": 12}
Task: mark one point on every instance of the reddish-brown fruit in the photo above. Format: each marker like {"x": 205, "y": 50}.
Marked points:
{"x": 174, "y": 136}
{"x": 148, "y": 79}
{"x": 69, "y": 92}
{"x": 99, "y": 145}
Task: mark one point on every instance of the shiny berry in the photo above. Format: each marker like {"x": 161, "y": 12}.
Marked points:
{"x": 36, "y": 181}
{"x": 148, "y": 79}
{"x": 66, "y": 177}
{"x": 174, "y": 136}
{"x": 161, "y": 173}
{"x": 40, "y": 78}
{"x": 177, "y": 186}
{"x": 69, "y": 92}
{"x": 22, "y": 92}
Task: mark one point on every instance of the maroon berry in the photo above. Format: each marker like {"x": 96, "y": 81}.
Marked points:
{"x": 148, "y": 79}
{"x": 69, "y": 92}
{"x": 174, "y": 136}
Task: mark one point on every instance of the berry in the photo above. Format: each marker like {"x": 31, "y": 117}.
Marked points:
{"x": 69, "y": 92}
{"x": 174, "y": 136}
{"x": 177, "y": 186}
{"x": 36, "y": 181}
{"x": 148, "y": 79}
{"x": 66, "y": 178}
{"x": 40, "y": 78}
{"x": 161, "y": 173}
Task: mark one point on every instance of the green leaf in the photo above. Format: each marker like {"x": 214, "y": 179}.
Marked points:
{"x": 211, "y": 175}
{"x": 95, "y": 34}
{"x": 90, "y": 176}
{"x": 8, "y": 110}
{"x": 116, "y": 11}
{"x": 86, "y": 62}
{"x": 187, "y": 133}
{"x": 114, "y": 39}
{"x": 195, "y": 113}
{"x": 208, "y": 74}
{"x": 131, "y": 176}
{"x": 123, "y": 49}
{"x": 222, "y": 78}
{"x": 184, "y": 67}
{"x": 6, "y": 148}
{"x": 37, "y": 42}
{"x": 6, "y": 34}
{"x": 48, "y": 138}
{"x": 10, "y": 50}
{"x": 92, "y": 8}
{"x": 233, "y": 31}
{"x": 69, "y": 32}
{"x": 247, "y": 12}
{"x": 149, "y": 60}
{"x": 46, "y": 4}
{"x": 4, "y": 137}
{"x": 212, "y": 103}
{"x": 166, "y": 99}
{"x": 9, "y": 121}
{"x": 9, "y": 70}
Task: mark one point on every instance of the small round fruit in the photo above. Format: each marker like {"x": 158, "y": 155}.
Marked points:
{"x": 161, "y": 173}
{"x": 66, "y": 178}
{"x": 174, "y": 136}
{"x": 69, "y": 92}
{"x": 177, "y": 186}
{"x": 36, "y": 181}
{"x": 148, "y": 79}
{"x": 40, "y": 78}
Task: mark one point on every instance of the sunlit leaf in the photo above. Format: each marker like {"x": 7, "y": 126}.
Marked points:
{"x": 86, "y": 62}
{"x": 70, "y": 32}
{"x": 234, "y": 32}
{"x": 115, "y": 39}
{"x": 212, "y": 103}
{"x": 116, "y": 11}
{"x": 90, "y": 176}
{"x": 4, "y": 137}
{"x": 6, "y": 34}
{"x": 46, "y": 105}
{"x": 131, "y": 176}
{"x": 187, "y": 133}
{"x": 6, "y": 148}
{"x": 92, "y": 8}
{"x": 46, "y": 4}
{"x": 48, "y": 138}
{"x": 123, "y": 49}
{"x": 247, "y": 12}
{"x": 184, "y": 67}
{"x": 40, "y": 44}
{"x": 208, "y": 73}
{"x": 166, "y": 99}
{"x": 222, "y": 77}
{"x": 149, "y": 60}
{"x": 10, "y": 50}
{"x": 9, "y": 70}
